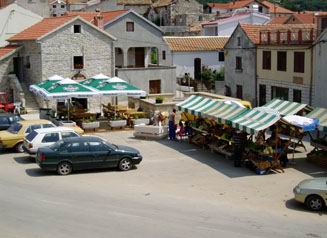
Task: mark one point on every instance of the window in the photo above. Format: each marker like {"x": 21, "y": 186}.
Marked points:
{"x": 297, "y": 95}
{"x": 77, "y": 28}
{"x": 62, "y": 6}
{"x": 54, "y": 6}
{"x": 78, "y": 62}
{"x": 32, "y": 128}
{"x": 260, "y": 9}
{"x": 47, "y": 126}
{"x": 238, "y": 41}
{"x": 221, "y": 56}
{"x": 262, "y": 95}
{"x": 266, "y": 60}
{"x": 78, "y": 147}
{"x": 299, "y": 62}
{"x": 238, "y": 63}
{"x": 4, "y": 121}
{"x": 28, "y": 62}
{"x": 200, "y": 18}
{"x": 130, "y": 26}
{"x": 323, "y": 24}
{"x": 50, "y": 137}
{"x": 239, "y": 91}
{"x": 68, "y": 135}
{"x": 281, "y": 60}
{"x": 97, "y": 146}
{"x": 54, "y": 15}
{"x": 164, "y": 55}
{"x": 30, "y": 137}
{"x": 279, "y": 92}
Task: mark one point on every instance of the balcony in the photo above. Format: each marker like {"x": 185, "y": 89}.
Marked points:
{"x": 288, "y": 36}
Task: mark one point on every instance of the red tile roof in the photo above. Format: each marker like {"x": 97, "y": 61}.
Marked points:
{"x": 196, "y": 43}
{"x": 230, "y": 5}
{"x": 48, "y": 25}
{"x": 279, "y": 20}
{"x": 305, "y": 18}
{"x": 107, "y": 16}
{"x": 275, "y": 8}
{"x": 41, "y": 28}
{"x": 253, "y": 31}
{"x": 7, "y": 50}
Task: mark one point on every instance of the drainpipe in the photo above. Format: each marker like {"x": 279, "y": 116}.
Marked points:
{"x": 311, "y": 77}
{"x": 256, "y": 76}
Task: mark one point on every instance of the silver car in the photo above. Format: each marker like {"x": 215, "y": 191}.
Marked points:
{"x": 312, "y": 192}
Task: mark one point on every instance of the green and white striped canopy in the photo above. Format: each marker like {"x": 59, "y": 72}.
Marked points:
{"x": 113, "y": 86}
{"x": 285, "y": 108}
{"x": 209, "y": 108}
{"x": 320, "y": 114}
{"x": 254, "y": 121}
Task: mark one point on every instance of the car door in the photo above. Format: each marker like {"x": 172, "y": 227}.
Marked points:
{"x": 81, "y": 156}
{"x": 99, "y": 153}
{"x": 112, "y": 159}
{"x": 49, "y": 139}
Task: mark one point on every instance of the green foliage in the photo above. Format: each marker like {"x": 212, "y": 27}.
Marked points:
{"x": 154, "y": 56}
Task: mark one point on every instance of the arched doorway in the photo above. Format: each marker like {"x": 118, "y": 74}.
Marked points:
{"x": 197, "y": 68}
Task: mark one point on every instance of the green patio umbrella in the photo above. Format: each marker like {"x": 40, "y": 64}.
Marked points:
{"x": 35, "y": 88}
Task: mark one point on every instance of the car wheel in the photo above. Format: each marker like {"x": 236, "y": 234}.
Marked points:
{"x": 64, "y": 168}
{"x": 125, "y": 164}
{"x": 19, "y": 147}
{"x": 315, "y": 203}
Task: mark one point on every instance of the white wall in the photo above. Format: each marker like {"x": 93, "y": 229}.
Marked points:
{"x": 184, "y": 61}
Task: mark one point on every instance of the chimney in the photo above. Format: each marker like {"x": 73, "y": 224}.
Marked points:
{"x": 98, "y": 21}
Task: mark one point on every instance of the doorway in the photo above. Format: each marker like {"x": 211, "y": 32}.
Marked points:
{"x": 155, "y": 86}
{"x": 262, "y": 95}
{"x": 197, "y": 68}
{"x": 18, "y": 69}
{"x": 139, "y": 57}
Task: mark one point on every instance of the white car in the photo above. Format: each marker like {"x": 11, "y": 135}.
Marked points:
{"x": 46, "y": 137}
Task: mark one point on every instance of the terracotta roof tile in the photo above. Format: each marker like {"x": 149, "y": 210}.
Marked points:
{"x": 253, "y": 31}
{"x": 7, "y": 50}
{"x": 275, "y": 8}
{"x": 134, "y": 2}
{"x": 305, "y": 18}
{"x": 230, "y": 5}
{"x": 196, "y": 43}
{"x": 41, "y": 28}
{"x": 279, "y": 20}
{"x": 89, "y": 16}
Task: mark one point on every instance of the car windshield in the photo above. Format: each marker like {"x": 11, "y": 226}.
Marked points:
{"x": 14, "y": 128}
{"x": 30, "y": 137}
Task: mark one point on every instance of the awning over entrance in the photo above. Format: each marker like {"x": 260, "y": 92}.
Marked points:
{"x": 285, "y": 107}
{"x": 254, "y": 121}
{"x": 320, "y": 114}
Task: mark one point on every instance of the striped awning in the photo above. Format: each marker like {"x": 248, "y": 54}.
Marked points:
{"x": 210, "y": 108}
{"x": 254, "y": 121}
{"x": 320, "y": 114}
{"x": 285, "y": 107}
{"x": 223, "y": 112}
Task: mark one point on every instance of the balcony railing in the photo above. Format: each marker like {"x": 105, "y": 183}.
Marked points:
{"x": 288, "y": 37}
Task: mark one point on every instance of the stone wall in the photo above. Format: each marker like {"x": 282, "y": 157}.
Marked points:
{"x": 6, "y": 67}
{"x": 247, "y": 76}
{"x": 40, "y": 7}
{"x": 58, "y": 50}
{"x": 140, "y": 77}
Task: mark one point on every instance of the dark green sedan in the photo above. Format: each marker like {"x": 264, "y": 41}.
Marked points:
{"x": 86, "y": 152}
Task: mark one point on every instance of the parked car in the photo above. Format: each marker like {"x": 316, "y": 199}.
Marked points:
{"x": 13, "y": 137}
{"x": 7, "y": 119}
{"x": 86, "y": 152}
{"x": 312, "y": 192}
{"x": 46, "y": 137}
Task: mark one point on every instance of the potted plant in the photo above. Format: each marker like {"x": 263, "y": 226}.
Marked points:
{"x": 140, "y": 119}
{"x": 159, "y": 99}
{"x": 90, "y": 123}
{"x": 117, "y": 122}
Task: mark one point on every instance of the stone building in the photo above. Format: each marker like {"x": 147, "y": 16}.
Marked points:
{"x": 139, "y": 6}
{"x": 66, "y": 45}
{"x": 39, "y": 7}
{"x": 272, "y": 61}
{"x": 142, "y": 57}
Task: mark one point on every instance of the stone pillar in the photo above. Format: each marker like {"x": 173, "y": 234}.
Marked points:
{"x": 125, "y": 57}
{"x": 147, "y": 59}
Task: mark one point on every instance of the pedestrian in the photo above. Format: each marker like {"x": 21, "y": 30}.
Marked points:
{"x": 172, "y": 125}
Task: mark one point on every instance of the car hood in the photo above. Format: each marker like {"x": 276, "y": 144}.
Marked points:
{"x": 6, "y": 135}
{"x": 123, "y": 148}
{"x": 316, "y": 183}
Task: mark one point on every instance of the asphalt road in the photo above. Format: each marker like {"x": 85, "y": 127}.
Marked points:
{"x": 177, "y": 191}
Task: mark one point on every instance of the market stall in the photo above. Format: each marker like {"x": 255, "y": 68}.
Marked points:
{"x": 285, "y": 108}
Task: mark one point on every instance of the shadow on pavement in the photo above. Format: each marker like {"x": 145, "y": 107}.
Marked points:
{"x": 214, "y": 160}
{"x": 37, "y": 172}
{"x": 302, "y": 165}
{"x": 297, "y": 206}
{"x": 25, "y": 159}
